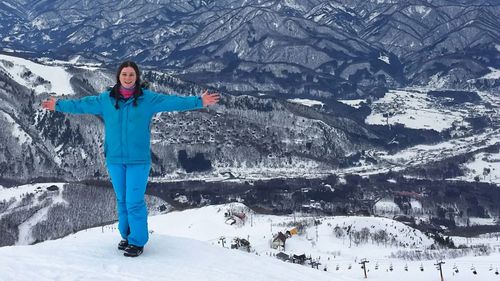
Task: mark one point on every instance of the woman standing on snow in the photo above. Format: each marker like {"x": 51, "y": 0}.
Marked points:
{"x": 127, "y": 110}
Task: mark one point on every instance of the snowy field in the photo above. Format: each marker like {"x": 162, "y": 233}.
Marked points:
{"x": 486, "y": 166}
{"x": 22, "y": 190}
{"x": 187, "y": 246}
{"x": 92, "y": 255}
{"x": 307, "y": 102}
{"x": 353, "y": 103}
{"x": 420, "y": 153}
{"x": 493, "y": 74}
{"x": 39, "y": 77}
{"x": 415, "y": 109}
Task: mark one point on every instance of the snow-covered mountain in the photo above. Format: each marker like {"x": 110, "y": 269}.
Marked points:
{"x": 395, "y": 61}
{"x": 345, "y": 48}
{"x": 410, "y": 132}
{"x": 188, "y": 246}
{"x": 246, "y": 136}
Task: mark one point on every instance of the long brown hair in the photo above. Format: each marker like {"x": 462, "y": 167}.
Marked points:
{"x": 115, "y": 92}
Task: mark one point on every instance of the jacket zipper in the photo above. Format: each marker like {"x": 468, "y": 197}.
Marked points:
{"x": 126, "y": 131}
{"x": 121, "y": 132}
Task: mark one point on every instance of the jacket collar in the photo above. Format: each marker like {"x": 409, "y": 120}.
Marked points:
{"x": 114, "y": 91}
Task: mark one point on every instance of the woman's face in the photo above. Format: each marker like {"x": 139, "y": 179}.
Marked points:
{"x": 128, "y": 77}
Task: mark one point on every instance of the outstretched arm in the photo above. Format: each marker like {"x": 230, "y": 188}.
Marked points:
{"x": 162, "y": 103}
{"x": 85, "y": 105}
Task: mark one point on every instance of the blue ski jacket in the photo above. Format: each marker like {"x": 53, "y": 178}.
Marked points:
{"x": 127, "y": 129}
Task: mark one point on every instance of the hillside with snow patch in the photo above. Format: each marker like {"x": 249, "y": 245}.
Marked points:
{"x": 39, "y": 77}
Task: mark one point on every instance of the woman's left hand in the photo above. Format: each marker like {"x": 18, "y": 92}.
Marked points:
{"x": 209, "y": 98}
{"x": 49, "y": 104}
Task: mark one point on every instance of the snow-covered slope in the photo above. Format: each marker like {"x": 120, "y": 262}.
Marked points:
{"x": 183, "y": 246}
{"x": 39, "y": 77}
{"x": 92, "y": 255}
{"x": 411, "y": 111}
{"x": 39, "y": 193}
{"x": 37, "y": 212}
{"x": 208, "y": 224}
{"x": 484, "y": 167}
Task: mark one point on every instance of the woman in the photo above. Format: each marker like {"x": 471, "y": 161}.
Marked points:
{"x": 127, "y": 110}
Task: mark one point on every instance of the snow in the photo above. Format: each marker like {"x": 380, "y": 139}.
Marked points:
{"x": 83, "y": 154}
{"x": 483, "y": 239}
{"x": 181, "y": 199}
{"x": 353, "y": 103}
{"x": 76, "y": 61}
{"x": 184, "y": 246}
{"x": 17, "y": 131}
{"x": 297, "y": 168}
{"x": 373, "y": 15}
{"x": 497, "y": 47}
{"x": 319, "y": 17}
{"x": 384, "y": 59}
{"x": 294, "y": 5}
{"x": 85, "y": 256}
{"x": 58, "y": 77}
{"x": 39, "y": 23}
{"x": 386, "y": 206}
{"x": 481, "y": 221}
{"x": 416, "y": 205}
{"x": 25, "y": 236}
{"x": 494, "y": 74}
{"x": 120, "y": 18}
{"x": 421, "y": 153}
{"x": 413, "y": 109}
{"x": 436, "y": 82}
{"x": 477, "y": 167}
{"x": 423, "y": 11}
{"x": 306, "y": 102}
{"x": 19, "y": 191}
{"x": 10, "y": 5}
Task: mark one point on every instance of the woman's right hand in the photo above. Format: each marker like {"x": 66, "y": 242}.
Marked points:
{"x": 49, "y": 104}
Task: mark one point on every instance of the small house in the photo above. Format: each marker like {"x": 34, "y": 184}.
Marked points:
{"x": 291, "y": 232}
{"x": 282, "y": 256}
{"x": 279, "y": 241}
{"x": 300, "y": 259}
{"x": 240, "y": 243}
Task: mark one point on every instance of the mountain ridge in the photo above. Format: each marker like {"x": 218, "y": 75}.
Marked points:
{"x": 260, "y": 47}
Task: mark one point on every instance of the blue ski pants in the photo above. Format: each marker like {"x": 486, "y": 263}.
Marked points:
{"x": 129, "y": 182}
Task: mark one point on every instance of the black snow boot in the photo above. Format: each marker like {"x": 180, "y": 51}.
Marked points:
{"x": 133, "y": 251}
{"x": 122, "y": 245}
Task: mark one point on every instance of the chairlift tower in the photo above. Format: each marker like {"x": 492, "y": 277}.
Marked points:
{"x": 439, "y": 267}
{"x": 363, "y": 263}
